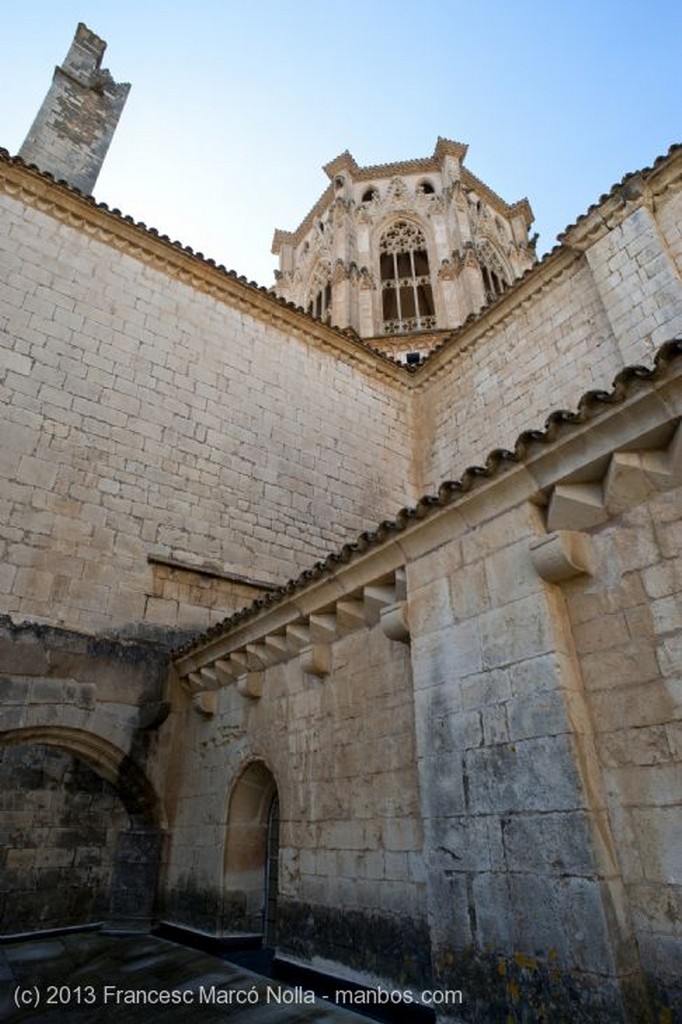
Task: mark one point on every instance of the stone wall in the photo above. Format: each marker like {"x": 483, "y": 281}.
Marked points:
{"x": 510, "y": 797}
{"x": 341, "y": 751}
{"x": 571, "y": 326}
{"x": 627, "y": 627}
{"x": 60, "y": 823}
{"x": 82, "y": 772}
{"x": 142, "y": 415}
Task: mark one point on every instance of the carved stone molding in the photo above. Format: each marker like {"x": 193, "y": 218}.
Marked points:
{"x": 205, "y": 703}
{"x": 309, "y": 637}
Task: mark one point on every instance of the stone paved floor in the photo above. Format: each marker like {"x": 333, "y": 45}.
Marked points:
{"x": 83, "y": 977}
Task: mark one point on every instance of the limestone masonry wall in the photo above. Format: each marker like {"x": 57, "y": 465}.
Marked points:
{"x": 599, "y": 312}
{"x": 342, "y": 755}
{"x": 627, "y": 627}
{"x": 497, "y": 386}
{"x": 511, "y": 805}
{"x": 60, "y": 823}
{"x": 141, "y": 415}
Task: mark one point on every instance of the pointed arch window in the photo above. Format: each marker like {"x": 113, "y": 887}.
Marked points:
{"x": 320, "y": 294}
{"x": 406, "y": 292}
{"x": 494, "y": 277}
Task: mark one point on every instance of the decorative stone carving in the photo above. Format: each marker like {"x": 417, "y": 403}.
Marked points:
{"x": 340, "y": 273}
{"x": 397, "y": 192}
{"x": 365, "y": 280}
{"x": 450, "y": 268}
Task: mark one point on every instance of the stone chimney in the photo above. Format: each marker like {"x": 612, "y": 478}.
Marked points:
{"x": 75, "y": 125}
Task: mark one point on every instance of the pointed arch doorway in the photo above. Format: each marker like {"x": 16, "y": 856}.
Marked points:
{"x": 251, "y": 866}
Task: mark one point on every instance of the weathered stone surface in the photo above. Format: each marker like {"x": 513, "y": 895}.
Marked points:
{"x": 499, "y": 797}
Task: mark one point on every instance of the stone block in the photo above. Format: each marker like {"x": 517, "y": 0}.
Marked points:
{"x": 658, "y": 832}
{"x": 494, "y": 911}
{"x": 446, "y": 655}
{"x": 516, "y": 632}
{"x": 538, "y": 714}
{"x": 529, "y": 775}
{"x": 466, "y": 844}
{"x": 550, "y": 844}
{"x": 33, "y": 584}
{"x": 468, "y": 592}
{"x": 429, "y": 607}
{"x": 562, "y": 920}
{"x": 494, "y": 722}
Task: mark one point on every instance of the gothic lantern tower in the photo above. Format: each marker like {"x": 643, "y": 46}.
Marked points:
{"x": 402, "y": 252}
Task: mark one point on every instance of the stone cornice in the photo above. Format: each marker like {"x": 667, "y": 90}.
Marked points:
{"x": 521, "y": 206}
{"x": 282, "y": 237}
{"x": 68, "y": 205}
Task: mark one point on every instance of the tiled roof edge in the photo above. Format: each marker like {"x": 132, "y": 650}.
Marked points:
{"x": 346, "y": 333}
{"x": 458, "y": 332}
{"x": 645, "y": 172}
{"x": 590, "y": 405}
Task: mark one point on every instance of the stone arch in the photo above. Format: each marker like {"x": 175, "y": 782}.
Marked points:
{"x": 136, "y": 792}
{"x": 318, "y": 295}
{"x": 496, "y": 272}
{"x": 135, "y": 851}
{"x": 251, "y": 854}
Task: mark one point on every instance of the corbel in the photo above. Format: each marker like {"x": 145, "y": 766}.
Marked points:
{"x": 562, "y": 556}
{"x": 316, "y": 660}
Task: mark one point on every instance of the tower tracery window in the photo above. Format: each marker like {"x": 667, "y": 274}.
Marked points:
{"x": 320, "y": 294}
{"x": 407, "y": 296}
{"x": 494, "y": 277}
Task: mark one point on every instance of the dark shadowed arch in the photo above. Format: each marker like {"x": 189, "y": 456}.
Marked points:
{"x": 138, "y": 848}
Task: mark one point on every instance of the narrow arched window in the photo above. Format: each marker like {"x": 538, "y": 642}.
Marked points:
{"x": 407, "y": 296}
{"x": 493, "y": 283}
{"x": 320, "y": 294}
{"x": 494, "y": 278}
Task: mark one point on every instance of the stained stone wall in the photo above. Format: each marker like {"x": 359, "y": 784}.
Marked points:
{"x": 82, "y": 776}
{"x": 341, "y": 751}
{"x": 511, "y": 799}
{"x": 627, "y": 627}
{"x": 60, "y": 822}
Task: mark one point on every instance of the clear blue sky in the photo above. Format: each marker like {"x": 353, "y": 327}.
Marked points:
{"x": 236, "y": 104}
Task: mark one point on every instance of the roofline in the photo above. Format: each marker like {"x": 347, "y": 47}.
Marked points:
{"x": 38, "y": 188}
{"x": 68, "y": 204}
